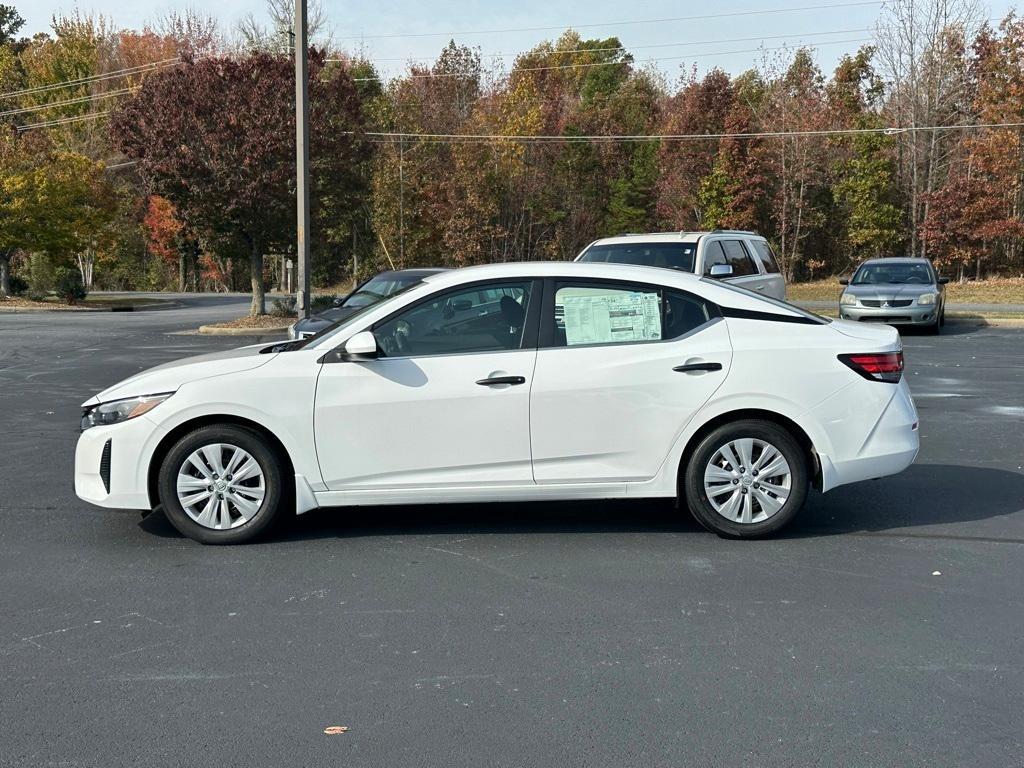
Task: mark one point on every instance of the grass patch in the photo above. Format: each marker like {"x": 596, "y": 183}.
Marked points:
{"x": 1009, "y": 290}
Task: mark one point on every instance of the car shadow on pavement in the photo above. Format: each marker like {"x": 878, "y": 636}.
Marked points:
{"x": 923, "y": 495}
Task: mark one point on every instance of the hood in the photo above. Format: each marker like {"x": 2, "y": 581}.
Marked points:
{"x": 169, "y": 376}
{"x": 885, "y": 291}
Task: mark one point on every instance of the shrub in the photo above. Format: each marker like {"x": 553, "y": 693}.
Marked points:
{"x": 34, "y": 294}
{"x": 320, "y": 303}
{"x": 69, "y": 286}
{"x": 18, "y": 285}
{"x": 283, "y": 307}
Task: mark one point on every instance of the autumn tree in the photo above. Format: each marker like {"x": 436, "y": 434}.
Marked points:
{"x": 863, "y": 172}
{"x": 700, "y": 107}
{"x": 215, "y": 137}
{"x": 50, "y": 201}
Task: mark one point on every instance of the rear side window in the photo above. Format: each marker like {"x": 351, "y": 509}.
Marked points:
{"x": 604, "y": 313}
{"x": 668, "y": 255}
{"x": 739, "y": 258}
{"x": 764, "y": 252}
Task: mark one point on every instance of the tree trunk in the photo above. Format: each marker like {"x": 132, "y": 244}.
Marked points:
{"x": 182, "y": 270}
{"x": 259, "y": 306}
{"x": 85, "y": 264}
{"x": 5, "y": 274}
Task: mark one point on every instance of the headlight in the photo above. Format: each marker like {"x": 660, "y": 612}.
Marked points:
{"x": 120, "y": 410}
{"x": 847, "y": 300}
{"x": 926, "y": 298}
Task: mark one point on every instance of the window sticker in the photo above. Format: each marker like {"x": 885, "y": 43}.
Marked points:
{"x": 611, "y": 318}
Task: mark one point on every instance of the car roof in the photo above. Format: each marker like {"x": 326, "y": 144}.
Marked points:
{"x": 413, "y": 272}
{"x": 897, "y": 260}
{"x": 672, "y": 237}
{"x": 570, "y": 269}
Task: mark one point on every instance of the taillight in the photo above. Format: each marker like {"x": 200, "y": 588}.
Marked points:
{"x": 881, "y": 366}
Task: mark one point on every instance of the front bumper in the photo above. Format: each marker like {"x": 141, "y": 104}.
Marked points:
{"x": 120, "y": 482}
{"x": 912, "y": 315}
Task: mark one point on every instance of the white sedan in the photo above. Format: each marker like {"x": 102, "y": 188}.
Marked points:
{"x": 513, "y": 382}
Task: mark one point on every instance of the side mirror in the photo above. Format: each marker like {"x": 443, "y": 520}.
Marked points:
{"x": 361, "y": 347}
{"x": 339, "y": 300}
{"x": 844, "y": 281}
{"x": 721, "y": 270}
{"x": 943, "y": 280}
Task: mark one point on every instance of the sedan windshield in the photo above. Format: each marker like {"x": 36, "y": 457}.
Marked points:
{"x": 669, "y": 255}
{"x": 893, "y": 274}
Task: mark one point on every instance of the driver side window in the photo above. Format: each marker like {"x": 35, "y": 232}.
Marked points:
{"x": 481, "y": 318}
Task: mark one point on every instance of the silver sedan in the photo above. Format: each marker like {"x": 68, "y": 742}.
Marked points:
{"x": 895, "y": 291}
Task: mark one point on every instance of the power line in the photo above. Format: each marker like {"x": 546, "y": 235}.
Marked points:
{"x": 699, "y": 17}
{"x": 599, "y": 138}
{"x": 68, "y": 102}
{"x": 554, "y": 52}
{"x": 62, "y": 121}
{"x": 117, "y": 73}
{"x": 514, "y": 70}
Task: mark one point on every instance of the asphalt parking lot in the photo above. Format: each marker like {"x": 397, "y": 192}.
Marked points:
{"x": 885, "y": 628}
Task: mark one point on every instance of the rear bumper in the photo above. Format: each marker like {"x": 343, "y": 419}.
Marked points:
{"x": 912, "y": 315}
{"x": 888, "y": 448}
{"x": 128, "y": 462}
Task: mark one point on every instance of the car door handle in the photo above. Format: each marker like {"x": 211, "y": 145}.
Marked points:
{"x": 502, "y": 380}
{"x": 691, "y": 367}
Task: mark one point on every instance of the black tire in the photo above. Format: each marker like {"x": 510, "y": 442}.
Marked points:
{"x": 933, "y": 329}
{"x": 270, "y": 508}
{"x": 769, "y": 432}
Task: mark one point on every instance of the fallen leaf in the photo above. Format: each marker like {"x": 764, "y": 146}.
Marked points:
{"x": 333, "y": 730}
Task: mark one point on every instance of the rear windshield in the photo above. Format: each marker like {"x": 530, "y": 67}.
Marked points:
{"x": 668, "y": 255}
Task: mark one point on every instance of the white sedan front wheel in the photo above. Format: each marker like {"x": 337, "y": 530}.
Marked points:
{"x": 221, "y": 484}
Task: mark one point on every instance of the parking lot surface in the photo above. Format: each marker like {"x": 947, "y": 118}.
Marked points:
{"x": 885, "y": 628}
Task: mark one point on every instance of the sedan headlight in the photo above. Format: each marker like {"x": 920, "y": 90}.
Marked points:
{"x": 926, "y": 298}
{"x": 117, "y": 411}
{"x": 847, "y": 300}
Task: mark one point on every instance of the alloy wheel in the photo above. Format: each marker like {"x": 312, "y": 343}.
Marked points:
{"x": 220, "y": 486}
{"x": 747, "y": 480}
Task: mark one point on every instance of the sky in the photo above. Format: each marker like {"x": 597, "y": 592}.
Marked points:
{"x": 392, "y": 33}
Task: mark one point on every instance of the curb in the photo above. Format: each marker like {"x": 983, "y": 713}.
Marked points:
{"x": 212, "y": 330}
{"x": 116, "y": 308}
{"x": 994, "y": 322}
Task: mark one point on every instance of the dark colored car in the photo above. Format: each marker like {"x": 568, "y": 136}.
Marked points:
{"x": 375, "y": 289}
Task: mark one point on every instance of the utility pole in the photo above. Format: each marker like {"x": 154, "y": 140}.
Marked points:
{"x": 302, "y": 299}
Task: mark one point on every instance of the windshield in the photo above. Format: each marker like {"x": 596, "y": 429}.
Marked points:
{"x": 893, "y": 274}
{"x": 376, "y": 289}
{"x": 668, "y": 255}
